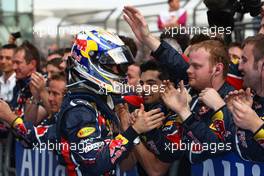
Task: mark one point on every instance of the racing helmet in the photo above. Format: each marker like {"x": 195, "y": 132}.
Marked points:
{"x": 98, "y": 62}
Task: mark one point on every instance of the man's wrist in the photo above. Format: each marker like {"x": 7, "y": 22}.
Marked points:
{"x": 136, "y": 129}
{"x": 124, "y": 127}
{"x": 256, "y": 125}
{"x": 219, "y": 105}
{"x": 184, "y": 114}
{"x": 152, "y": 42}
{"x": 11, "y": 119}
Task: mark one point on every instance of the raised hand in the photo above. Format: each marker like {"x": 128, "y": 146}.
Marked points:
{"x": 37, "y": 84}
{"x": 177, "y": 99}
{"x": 241, "y": 95}
{"x": 140, "y": 28}
{"x": 245, "y": 117}
{"x": 211, "y": 98}
{"x": 146, "y": 121}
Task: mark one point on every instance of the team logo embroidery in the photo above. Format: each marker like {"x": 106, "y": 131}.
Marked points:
{"x": 116, "y": 147}
{"x": 42, "y": 130}
{"x": 123, "y": 140}
{"x": 173, "y": 129}
{"x": 218, "y": 125}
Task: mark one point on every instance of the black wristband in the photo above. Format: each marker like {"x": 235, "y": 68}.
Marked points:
{"x": 188, "y": 122}
{"x": 130, "y": 134}
{"x": 261, "y": 127}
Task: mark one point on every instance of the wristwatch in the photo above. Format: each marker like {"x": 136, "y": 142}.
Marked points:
{"x": 136, "y": 141}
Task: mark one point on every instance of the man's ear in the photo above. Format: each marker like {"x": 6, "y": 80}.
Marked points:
{"x": 33, "y": 63}
{"x": 260, "y": 65}
{"x": 218, "y": 69}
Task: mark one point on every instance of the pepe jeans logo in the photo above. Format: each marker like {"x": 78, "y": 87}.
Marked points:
{"x": 86, "y": 131}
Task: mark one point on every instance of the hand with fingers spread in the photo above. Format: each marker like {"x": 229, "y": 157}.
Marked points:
{"x": 211, "y": 98}
{"x": 37, "y": 84}
{"x": 177, "y": 100}
{"x": 6, "y": 113}
{"x": 140, "y": 28}
{"x": 123, "y": 114}
{"x": 244, "y": 96}
{"x": 245, "y": 117}
{"x": 147, "y": 121}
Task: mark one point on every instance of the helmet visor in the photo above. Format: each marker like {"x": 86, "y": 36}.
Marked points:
{"x": 120, "y": 55}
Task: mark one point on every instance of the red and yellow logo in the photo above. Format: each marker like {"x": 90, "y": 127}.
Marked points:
{"x": 89, "y": 46}
{"x": 218, "y": 124}
{"x": 122, "y": 139}
{"x": 86, "y": 131}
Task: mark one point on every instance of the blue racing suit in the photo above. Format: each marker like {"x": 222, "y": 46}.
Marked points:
{"x": 169, "y": 58}
{"x": 203, "y": 126}
{"x": 191, "y": 137}
{"x": 85, "y": 135}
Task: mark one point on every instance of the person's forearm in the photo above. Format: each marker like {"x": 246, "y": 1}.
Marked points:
{"x": 42, "y": 114}
{"x": 31, "y": 111}
{"x": 152, "y": 42}
{"x": 44, "y": 97}
{"x": 149, "y": 161}
{"x": 129, "y": 162}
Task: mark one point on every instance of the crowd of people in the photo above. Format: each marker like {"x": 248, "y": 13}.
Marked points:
{"x": 191, "y": 95}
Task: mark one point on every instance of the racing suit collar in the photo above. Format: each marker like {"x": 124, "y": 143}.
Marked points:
{"x": 151, "y": 106}
{"x": 99, "y": 100}
{"x": 259, "y": 98}
{"x": 224, "y": 89}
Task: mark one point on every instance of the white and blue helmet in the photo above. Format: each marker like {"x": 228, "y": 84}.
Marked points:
{"x": 99, "y": 62}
